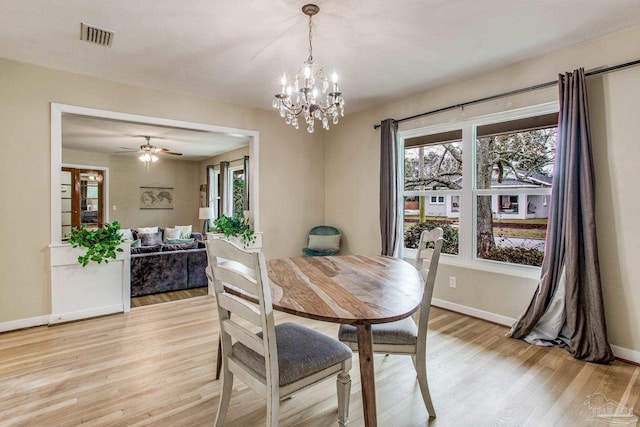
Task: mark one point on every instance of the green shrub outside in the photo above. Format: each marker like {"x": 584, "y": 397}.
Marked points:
{"x": 514, "y": 255}
{"x": 450, "y": 236}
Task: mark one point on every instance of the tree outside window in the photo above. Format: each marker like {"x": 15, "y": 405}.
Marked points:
{"x": 238, "y": 192}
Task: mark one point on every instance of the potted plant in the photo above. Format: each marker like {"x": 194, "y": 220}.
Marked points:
{"x": 237, "y": 230}
{"x": 101, "y": 244}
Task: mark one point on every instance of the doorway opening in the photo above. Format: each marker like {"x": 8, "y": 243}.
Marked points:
{"x": 97, "y": 138}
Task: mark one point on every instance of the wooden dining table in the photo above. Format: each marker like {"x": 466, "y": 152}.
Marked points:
{"x": 356, "y": 290}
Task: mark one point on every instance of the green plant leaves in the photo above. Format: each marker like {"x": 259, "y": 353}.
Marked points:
{"x": 101, "y": 244}
{"x": 234, "y": 226}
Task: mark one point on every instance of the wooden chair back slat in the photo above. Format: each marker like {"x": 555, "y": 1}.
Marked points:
{"x": 246, "y": 310}
{"x": 243, "y": 335}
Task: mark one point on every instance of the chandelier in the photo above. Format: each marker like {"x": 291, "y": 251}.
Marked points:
{"x": 304, "y": 98}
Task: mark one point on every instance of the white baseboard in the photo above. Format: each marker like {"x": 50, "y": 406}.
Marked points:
{"x": 29, "y": 322}
{"x": 474, "y": 312}
{"x": 626, "y": 354}
{"x": 84, "y": 314}
{"x": 619, "y": 352}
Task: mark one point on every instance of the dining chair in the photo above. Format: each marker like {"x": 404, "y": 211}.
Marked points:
{"x": 277, "y": 360}
{"x": 403, "y": 336}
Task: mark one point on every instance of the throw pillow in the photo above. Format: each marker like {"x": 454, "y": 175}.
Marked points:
{"x": 146, "y": 230}
{"x": 136, "y": 243}
{"x": 171, "y": 234}
{"x": 178, "y": 241}
{"x": 126, "y": 234}
{"x": 183, "y": 247}
{"x": 151, "y": 239}
{"x": 324, "y": 243}
{"x": 185, "y": 231}
{"x": 146, "y": 249}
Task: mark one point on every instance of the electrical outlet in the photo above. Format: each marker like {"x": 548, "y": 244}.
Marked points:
{"x": 452, "y": 281}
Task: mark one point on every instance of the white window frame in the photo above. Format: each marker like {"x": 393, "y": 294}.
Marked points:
{"x": 437, "y": 201}
{"x": 214, "y": 193}
{"x": 467, "y": 232}
{"x": 229, "y": 189}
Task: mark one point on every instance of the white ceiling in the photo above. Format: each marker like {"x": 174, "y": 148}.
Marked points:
{"x": 236, "y": 51}
{"x": 114, "y": 136}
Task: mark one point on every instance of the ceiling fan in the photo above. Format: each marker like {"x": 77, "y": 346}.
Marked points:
{"x": 148, "y": 152}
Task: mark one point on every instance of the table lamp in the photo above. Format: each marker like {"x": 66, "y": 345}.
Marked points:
{"x": 206, "y": 214}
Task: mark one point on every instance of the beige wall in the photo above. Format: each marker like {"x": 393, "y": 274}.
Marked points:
{"x": 291, "y": 196}
{"x": 128, "y": 174}
{"x": 352, "y": 174}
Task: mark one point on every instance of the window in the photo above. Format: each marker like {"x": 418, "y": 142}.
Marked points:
{"x": 214, "y": 191}
{"x": 497, "y": 209}
{"x": 233, "y": 193}
{"x": 432, "y": 164}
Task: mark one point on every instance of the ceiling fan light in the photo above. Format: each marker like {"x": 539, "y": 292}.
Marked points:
{"x": 154, "y": 158}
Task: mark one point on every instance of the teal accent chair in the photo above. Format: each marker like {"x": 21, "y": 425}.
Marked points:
{"x": 312, "y": 248}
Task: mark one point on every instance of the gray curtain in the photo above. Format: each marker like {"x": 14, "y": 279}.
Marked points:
{"x": 567, "y": 307}
{"x": 225, "y": 199}
{"x": 389, "y": 187}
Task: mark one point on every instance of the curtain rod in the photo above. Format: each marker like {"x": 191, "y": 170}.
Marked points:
{"x": 513, "y": 92}
{"x": 229, "y": 161}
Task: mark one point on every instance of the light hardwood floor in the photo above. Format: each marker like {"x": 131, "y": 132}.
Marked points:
{"x": 155, "y": 366}
{"x": 167, "y": 296}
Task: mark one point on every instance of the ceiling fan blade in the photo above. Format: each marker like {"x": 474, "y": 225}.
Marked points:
{"x": 128, "y": 149}
{"x": 166, "y": 151}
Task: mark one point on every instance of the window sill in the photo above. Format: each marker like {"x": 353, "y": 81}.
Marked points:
{"x": 524, "y": 271}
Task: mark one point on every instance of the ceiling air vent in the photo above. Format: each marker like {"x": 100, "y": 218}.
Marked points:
{"x": 96, "y": 35}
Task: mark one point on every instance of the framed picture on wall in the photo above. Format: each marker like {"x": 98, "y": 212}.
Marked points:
{"x": 156, "y": 198}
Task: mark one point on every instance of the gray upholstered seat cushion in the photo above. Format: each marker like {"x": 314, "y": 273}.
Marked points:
{"x": 403, "y": 331}
{"x": 301, "y": 352}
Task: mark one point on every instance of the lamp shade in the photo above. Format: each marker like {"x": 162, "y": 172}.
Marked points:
{"x": 205, "y": 213}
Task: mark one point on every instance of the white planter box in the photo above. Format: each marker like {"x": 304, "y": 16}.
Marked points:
{"x": 95, "y": 290}
{"x": 238, "y": 240}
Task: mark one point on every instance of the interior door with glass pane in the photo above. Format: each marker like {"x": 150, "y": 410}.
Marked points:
{"x": 82, "y": 199}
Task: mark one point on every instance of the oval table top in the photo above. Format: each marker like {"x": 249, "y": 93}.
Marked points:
{"x": 352, "y": 289}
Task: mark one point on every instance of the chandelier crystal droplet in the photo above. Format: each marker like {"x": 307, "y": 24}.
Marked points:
{"x": 303, "y": 98}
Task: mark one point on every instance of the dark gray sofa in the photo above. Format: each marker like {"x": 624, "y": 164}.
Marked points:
{"x": 164, "y": 268}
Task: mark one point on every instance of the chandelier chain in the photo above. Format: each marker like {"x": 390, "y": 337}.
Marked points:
{"x": 310, "y": 37}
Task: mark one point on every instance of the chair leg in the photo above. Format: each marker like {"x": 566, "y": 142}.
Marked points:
{"x": 273, "y": 409}
{"x": 225, "y": 397}
{"x": 344, "y": 393}
{"x": 421, "y": 368}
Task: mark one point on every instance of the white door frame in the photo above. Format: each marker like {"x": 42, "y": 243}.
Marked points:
{"x": 58, "y": 110}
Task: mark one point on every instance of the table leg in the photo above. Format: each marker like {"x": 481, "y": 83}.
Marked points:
{"x": 367, "y": 375}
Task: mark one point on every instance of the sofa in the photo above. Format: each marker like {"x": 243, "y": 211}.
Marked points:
{"x": 165, "y": 267}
